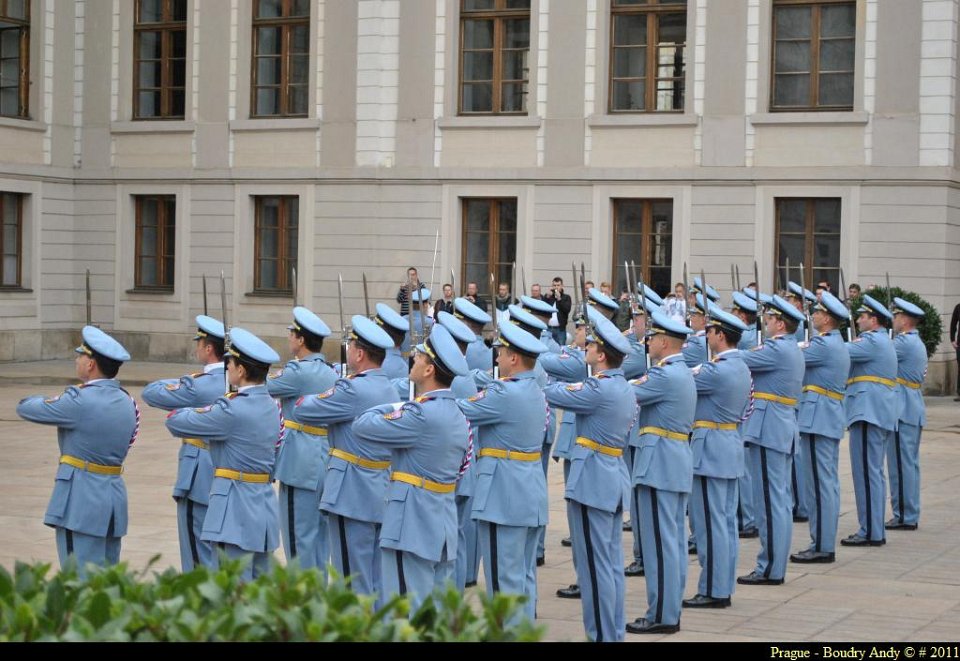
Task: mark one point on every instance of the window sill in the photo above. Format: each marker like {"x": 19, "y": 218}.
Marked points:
{"x": 276, "y": 124}
{"x": 269, "y": 294}
{"x": 23, "y": 124}
{"x": 149, "y": 126}
{"x": 842, "y": 118}
{"x": 15, "y": 290}
{"x": 150, "y": 292}
{"x": 642, "y": 119}
{"x": 490, "y": 122}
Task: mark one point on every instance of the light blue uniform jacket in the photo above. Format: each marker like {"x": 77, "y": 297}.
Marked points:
{"x": 667, "y": 396}
{"x": 242, "y": 429}
{"x": 911, "y": 367}
{"x": 723, "y": 392}
{"x": 395, "y": 366}
{"x": 568, "y": 366}
{"x": 872, "y": 354}
{"x": 828, "y": 364}
{"x": 509, "y": 414}
{"x": 777, "y": 368}
{"x": 194, "y": 467}
{"x": 348, "y": 489}
{"x": 428, "y": 438}
{"x": 695, "y": 349}
{"x": 96, "y": 423}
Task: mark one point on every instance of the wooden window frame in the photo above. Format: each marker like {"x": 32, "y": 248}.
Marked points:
{"x": 493, "y": 245}
{"x": 815, "y": 40}
{"x": 809, "y": 246}
{"x": 499, "y": 15}
{"x": 286, "y": 23}
{"x": 285, "y": 262}
{"x": 18, "y": 285}
{"x": 646, "y": 237}
{"x": 166, "y": 244}
{"x": 653, "y": 10}
{"x": 167, "y": 26}
{"x": 23, "y": 92}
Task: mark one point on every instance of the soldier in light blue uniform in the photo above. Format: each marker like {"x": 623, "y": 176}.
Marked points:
{"x": 663, "y": 473}
{"x": 510, "y": 498}
{"x": 694, "y": 350}
{"x": 770, "y": 434}
{"x": 242, "y": 429}
{"x": 723, "y": 389}
{"x": 605, "y": 409}
{"x": 97, "y": 422}
{"x": 799, "y": 298}
{"x": 569, "y": 366}
{"x": 903, "y": 453}
{"x": 194, "y": 466}
{"x": 745, "y": 309}
{"x": 394, "y": 365}
{"x": 542, "y": 311}
{"x": 479, "y": 355}
{"x": 697, "y": 288}
{"x": 355, "y": 485}
{"x": 428, "y": 439}
{"x": 418, "y": 315}
{"x": 302, "y": 458}
{"x": 822, "y": 422}
{"x": 602, "y": 303}
{"x": 872, "y": 408}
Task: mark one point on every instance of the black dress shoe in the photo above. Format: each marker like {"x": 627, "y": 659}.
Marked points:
{"x": 645, "y": 626}
{"x": 810, "y": 556}
{"x": 470, "y": 584}
{"x": 627, "y": 526}
{"x": 857, "y": 540}
{"x": 703, "y": 601}
{"x": 800, "y": 518}
{"x": 633, "y": 569}
{"x": 541, "y": 561}
{"x": 749, "y": 533}
{"x": 753, "y": 578}
{"x": 571, "y": 592}
{"x": 897, "y": 524}
{"x": 566, "y": 541}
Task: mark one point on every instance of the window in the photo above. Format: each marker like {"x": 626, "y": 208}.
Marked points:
{"x": 275, "y": 243}
{"x": 489, "y": 241}
{"x": 647, "y": 55}
{"x": 155, "y": 242}
{"x": 281, "y": 58}
{"x": 813, "y": 55}
{"x": 494, "y": 52}
{"x": 11, "y": 239}
{"x": 643, "y": 233}
{"x": 14, "y": 58}
{"x": 808, "y": 231}
{"x": 160, "y": 59}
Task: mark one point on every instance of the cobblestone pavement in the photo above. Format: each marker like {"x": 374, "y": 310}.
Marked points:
{"x": 908, "y": 590}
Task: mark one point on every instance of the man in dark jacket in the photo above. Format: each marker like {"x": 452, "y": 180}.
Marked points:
{"x": 955, "y": 340}
{"x": 562, "y": 301}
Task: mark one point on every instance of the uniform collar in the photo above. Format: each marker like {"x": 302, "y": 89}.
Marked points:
{"x": 212, "y": 367}
{"x": 529, "y": 374}
{"x": 909, "y": 332}
{"x": 442, "y": 393}
{"x": 111, "y": 383}
{"x": 615, "y": 371}
{"x": 672, "y": 358}
{"x": 312, "y": 357}
{"x": 724, "y": 353}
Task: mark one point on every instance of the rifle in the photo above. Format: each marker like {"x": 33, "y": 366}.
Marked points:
{"x": 496, "y": 333}
{"x": 366, "y": 298}
{"x": 412, "y": 337}
{"x": 686, "y": 296}
{"x": 226, "y": 332}
{"x": 808, "y": 323}
{"x": 204, "y": 279}
{"x": 846, "y": 303}
{"x": 733, "y": 280}
{"x": 433, "y": 270}
{"x": 586, "y": 317}
{"x": 513, "y": 283}
{"x": 756, "y": 280}
{"x": 889, "y": 303}
{"x": 453, "y": 283}
{"x": 293, "y": 284}
{"x": 523, "y": 282}
{"x": 641, "y": 286}
{"x": 89, "y": 307}
{"x": 706, "y": 310}
{"x": 737, "y": 270}
{"x": 343, "y": 329}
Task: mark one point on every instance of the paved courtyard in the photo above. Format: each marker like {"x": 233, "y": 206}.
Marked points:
{"x": 908, "y": 590}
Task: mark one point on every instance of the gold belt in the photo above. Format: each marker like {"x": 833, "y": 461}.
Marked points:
{"x": 665, "y": 433}
{"x": 709, "y": 424}
{"x": 89, "y": 466}
{"x": 766, "y": 396}
{"x": 359, "y": 461}
{"x": 832, "y": 394}
{"x": 890, "y": 383}
{"x": 423, "y": 483}
{"x": 910, "y": 384}
{"x": 230, "y": 474}
{"x": 509, "y": 454}
{"x": 316, "y": 431}
{"x": 597, "y": 447}
{"x": 197, "y": 443}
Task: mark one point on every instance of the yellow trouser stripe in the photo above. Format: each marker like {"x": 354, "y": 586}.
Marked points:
{"x": 359, "y": 461}
{"x": 89, "y": 466}
{"x": 258, "y": 478}
{"x": 509, "y": 454}
{"x": 596, "y": 447}
{"x": 423, "y": 483}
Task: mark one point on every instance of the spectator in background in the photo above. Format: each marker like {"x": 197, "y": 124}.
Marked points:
{"x": 852, "y": 292}
{"x": 535, "y": 292}
{"x": 473, "y": 295}
{"x": 675, "y": 306}
{"x": 503, "y": 301}
{"x": 445, "y": 304}
{"x": 557, "y": 297}
{"x": 413, "y": 280}
{"x": 822, "y": 286}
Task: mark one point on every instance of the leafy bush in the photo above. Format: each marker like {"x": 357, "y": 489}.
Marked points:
{"x": 930, "y": 327}
{"x": 286, "y": 604}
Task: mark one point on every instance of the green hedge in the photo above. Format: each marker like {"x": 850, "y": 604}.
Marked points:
{"x": 287, "y": 604}
{"x": 930, "y": 327}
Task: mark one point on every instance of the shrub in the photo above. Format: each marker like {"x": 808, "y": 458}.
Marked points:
{"x": 286, "y": 604}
